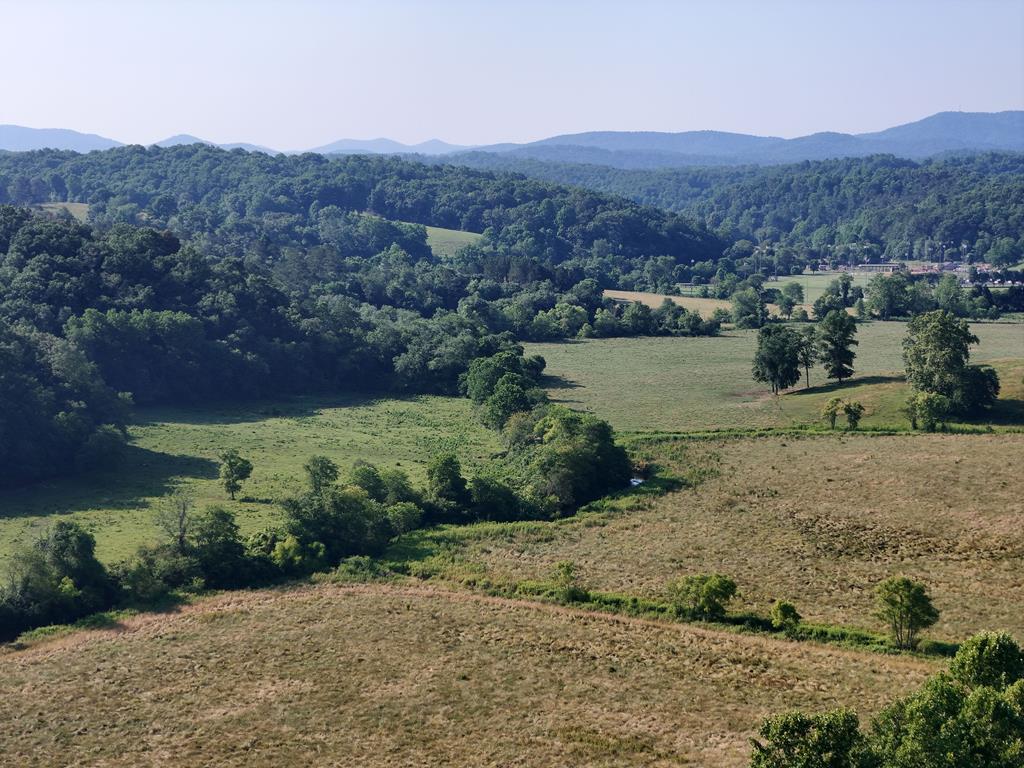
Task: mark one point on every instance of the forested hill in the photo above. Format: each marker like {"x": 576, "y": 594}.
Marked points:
{"x": 238, "y": 202}
{"x": 205, "y": 274}
{"x": 906, "y": 208}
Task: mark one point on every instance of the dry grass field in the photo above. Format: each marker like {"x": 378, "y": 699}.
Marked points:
{"x": 815, "y": 520}
{"x": 704, "y": 307}
{"x": 398, "y": 676}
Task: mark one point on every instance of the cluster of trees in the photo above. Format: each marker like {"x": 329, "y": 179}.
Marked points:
{"x": 843, "y": 211}
{"x": 971, "y": 715}
{"x": 936, "y": 351}
{"x": 899, "y": 295}
{"x": 556, "y": 461}
{"x": 784, "y": 354}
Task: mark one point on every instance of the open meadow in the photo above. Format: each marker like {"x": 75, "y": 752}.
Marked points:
{"x": 445, "y": 242}
{"x": 816, "y": 520}
{"x": 178, "y": 447}
{"x": 386, "y": 675}
{"x": 687, "y": 384}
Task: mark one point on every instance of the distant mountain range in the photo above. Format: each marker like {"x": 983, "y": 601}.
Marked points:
{"x": 941, "y": 133}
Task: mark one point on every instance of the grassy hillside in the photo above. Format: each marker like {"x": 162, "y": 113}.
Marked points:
{"x": 179, "y": 447}
{"x": 816, "y": 520}
{"x": 445, "y": 242}
{"x": 685, "y": 384}
{"x": 396, "y": 675}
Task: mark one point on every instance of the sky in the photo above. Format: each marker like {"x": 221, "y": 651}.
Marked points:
{"x": 302, "y": 73}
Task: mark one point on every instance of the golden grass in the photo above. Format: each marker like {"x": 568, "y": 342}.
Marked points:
{"x": 704, "y": 307}
{"x": 818, "y": 521}
{"x": 410, "y": 676}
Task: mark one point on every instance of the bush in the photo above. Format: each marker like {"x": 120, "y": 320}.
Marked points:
{"x": 830, "y": 411}
{"x": 785, "y": 617}
{"x": 567, "y": 585}
{"x": 404, "y": 517}
{"x": 702, "y": 596}
{"x": 853, "y": 410}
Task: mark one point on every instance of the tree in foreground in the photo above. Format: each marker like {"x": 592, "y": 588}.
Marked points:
{"x": 969, "y": 717}
{"x": 703, "y": 596}
{"x": 936, "y": 351}
{"x": 835, "y": 344}
{"x": 905, "y": 606}
{"x": 233, "y": 470}
{"x": 796, "y": 740}
{"x": 777, "y": 359}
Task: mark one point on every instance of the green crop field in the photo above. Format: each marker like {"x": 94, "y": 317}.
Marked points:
{"x": 178, "y": 447}
{"x": 445, "y": 242}
{"x": 815, "y": 283}
{"x": 686, "y": 384}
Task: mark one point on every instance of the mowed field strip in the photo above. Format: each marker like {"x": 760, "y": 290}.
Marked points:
{"x": 178, "y": 447}
{"x": 672, "y": 384}
{"x": 387, "y": 675}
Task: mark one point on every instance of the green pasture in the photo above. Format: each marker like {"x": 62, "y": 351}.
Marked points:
{"x": 178, "y": 447}
{"x": 689, "y": 384}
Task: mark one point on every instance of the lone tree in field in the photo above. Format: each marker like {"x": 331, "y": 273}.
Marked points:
{"x": 936, "y": 351}
{"x": 807, "y": 351}
{"x": 835, "y": 344}
{"x": 906, "y": 607}
{"x": 702, "y": 596}
{"x": 777, "y": 359}
{"x": 233, "y": 470}
{"x": 321, "y": 472}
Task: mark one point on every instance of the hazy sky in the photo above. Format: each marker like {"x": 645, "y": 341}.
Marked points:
{"x": 305, "y": 72}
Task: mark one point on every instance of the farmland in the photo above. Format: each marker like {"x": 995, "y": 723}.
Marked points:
{"x": 831, "y": 517}
{"x": 174, "y": 447}
{"x": 383, "y": 675}
{"x": 687, "y": 384}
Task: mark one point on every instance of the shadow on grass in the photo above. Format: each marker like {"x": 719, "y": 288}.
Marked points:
{"x": 554, "y": 381}
{"x": 836, "y": 386}
{"x": 258, "y": 410}
{"x": 141, "y": 475}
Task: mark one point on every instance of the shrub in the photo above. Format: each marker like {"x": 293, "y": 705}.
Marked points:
{"x": 853, "y": 410}
{"x": 404, "y": 517}
{"x": 567, "y": 585}
{"x": 702, "y": 596}
{"x": 785, "y": 617}
{"x": 830, "y": 411}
